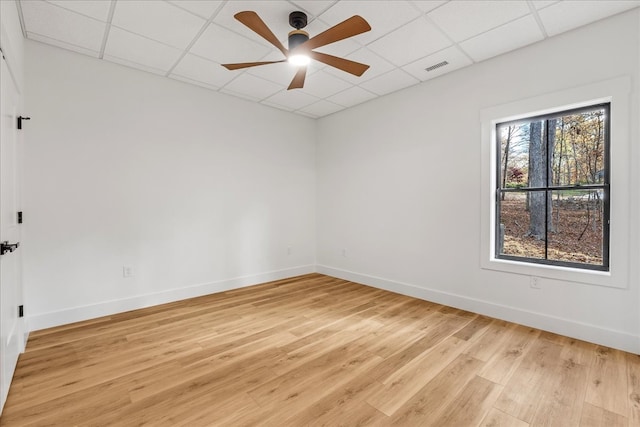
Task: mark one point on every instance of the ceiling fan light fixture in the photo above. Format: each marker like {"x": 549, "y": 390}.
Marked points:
{"x": 299, "y": 60}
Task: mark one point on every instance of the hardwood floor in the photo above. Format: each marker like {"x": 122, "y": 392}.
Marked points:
{"x": 316, "y": 350}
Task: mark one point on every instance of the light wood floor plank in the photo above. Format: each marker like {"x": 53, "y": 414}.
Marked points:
{"x": 490, "y": 342}
{"x": 508, "y": 354}
{"x": 607, "y": 387}
{"x": 331, "y": 409}
{"x": 316, "y": 350}
{"x": 433, "y": 399}
{"x": 562, "y": 402}
{"x": 593, "y": 416}
{"x": 633, "y": 385}
{"x": 405, "y": 382}
{"x": 497, "y": 418}
{"x": 470, "y": 405}
{"x": 529, "y": 383}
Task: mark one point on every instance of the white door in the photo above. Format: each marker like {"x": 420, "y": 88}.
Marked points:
{"x": 10, "y": 287}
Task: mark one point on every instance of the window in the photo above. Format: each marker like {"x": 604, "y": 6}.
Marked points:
{"x": 552, "y": 189}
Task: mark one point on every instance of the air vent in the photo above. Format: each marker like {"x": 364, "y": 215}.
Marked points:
{"x": 436, "y": 66}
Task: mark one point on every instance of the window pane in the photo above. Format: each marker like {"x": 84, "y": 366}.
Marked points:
{"x": 578, "y": 147}
{"x": 523, "y": 155}
{"x": 577, "y": 230}
{"x": 515, "y": 225}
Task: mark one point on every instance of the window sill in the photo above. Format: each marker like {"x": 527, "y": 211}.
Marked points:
{"x": 568, "y": 274}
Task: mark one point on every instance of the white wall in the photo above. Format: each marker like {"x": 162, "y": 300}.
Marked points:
{"x": 11, "y": 40}
{"x": 399, "y": 188}
{"x": 196, "y": 191}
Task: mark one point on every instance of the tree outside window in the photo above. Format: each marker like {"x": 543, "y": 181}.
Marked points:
{"x": 552, "y": 201}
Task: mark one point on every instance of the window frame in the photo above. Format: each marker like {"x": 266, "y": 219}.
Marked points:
{"x": 617, "y": 91}
{"x": 605, "y": 186}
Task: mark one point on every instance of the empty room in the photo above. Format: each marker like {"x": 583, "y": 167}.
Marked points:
{"x": 320, "y": 212}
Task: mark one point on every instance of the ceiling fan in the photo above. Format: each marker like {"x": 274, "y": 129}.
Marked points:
{"x": 301, "y": 47}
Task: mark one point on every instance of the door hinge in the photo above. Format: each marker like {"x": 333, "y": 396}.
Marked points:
{"x": 20, "y": 119}
{"x": 21, "y": 311}
{"x": 20, "y": 217}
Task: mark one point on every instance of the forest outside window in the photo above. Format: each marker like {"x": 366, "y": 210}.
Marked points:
{"x": 552, "y": 189}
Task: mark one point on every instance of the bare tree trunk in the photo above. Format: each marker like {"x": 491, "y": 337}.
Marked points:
{"x": 506, "y": 158}
{"x": 537, "y": 178}
{"x": 551, "y": 142}
{"x": 558, "y": 176}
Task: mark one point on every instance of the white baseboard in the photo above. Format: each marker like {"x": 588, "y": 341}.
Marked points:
{"x": 77, "y": 314}
{"x": 571, "y": 328}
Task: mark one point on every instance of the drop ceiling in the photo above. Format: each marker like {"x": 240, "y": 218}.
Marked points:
{"x": 187, "y": 40}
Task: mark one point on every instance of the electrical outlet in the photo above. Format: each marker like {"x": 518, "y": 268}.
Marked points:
{"x": 127, "y": 271}
{"x": 534, "y": 282}
{"x": 344, "y": 252}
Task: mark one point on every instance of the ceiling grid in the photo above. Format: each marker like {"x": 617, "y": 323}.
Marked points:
{"x": 188, "y": 40}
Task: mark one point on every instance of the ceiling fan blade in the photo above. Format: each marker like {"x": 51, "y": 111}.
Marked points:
{"x": 253, "y": 21}
{"x": 298, "y": 79}
{"x": 348, "y": 28}
{"x": 249, "y": 64}
{"x": 355, "y": 68}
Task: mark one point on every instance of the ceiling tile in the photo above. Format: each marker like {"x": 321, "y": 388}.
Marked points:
{"x": 275, "y": 15}
{"x": 253, "y": 86}
{"x": 224, "y": 46}
{"x": 314, "y": 7}
{"x": 382, "y": 16}
{"x": 352, "y": 96}
{"x": 513, "y": 35}
{"x": 199, "y": 69}
{"x": 567, "y": 15}
{"x": 410, "y": 42}
{"x": 203, "y": 8}
{"x": 539, "y": 4}
{"x": 140, "y": 50}
{"x": 462, "y": 19}
{"x": 455, "y": 58}
{"x": 64, "y": 25}
{"x": 322, "y": 108}
{"x": 58, "y": 43}
{"x": 428, "y": 5}
{"x": 94, "y": 9}
{"x": 390, "y": 82}
{"x": 291, "y": 99}
{"x": 323, "y": 84}
{"x": 377, "y": 66}
{"x": 158, "y": 21}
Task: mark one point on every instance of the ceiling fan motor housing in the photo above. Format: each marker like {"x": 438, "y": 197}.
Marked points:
{"x": 296, "y": 38}
{"x": 297, "y": 20}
